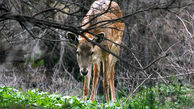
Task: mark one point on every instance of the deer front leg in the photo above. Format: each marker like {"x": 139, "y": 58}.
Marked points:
{"x": 86, "y": 86}
{"x": 96, "y": 69}
{"x": 106, "y": 79}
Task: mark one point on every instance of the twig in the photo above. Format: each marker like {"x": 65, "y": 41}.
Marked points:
{"x": 138, "y": 87}
{"x": 182, "y": 74}
{"x": 38, "y": 22}
{"x": 185, "y": 26}
{"x": 145, "y": 73}
{"x": 160, "y": 76}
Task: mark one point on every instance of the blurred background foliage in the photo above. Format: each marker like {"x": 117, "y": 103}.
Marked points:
{"x": 48, "y": 61}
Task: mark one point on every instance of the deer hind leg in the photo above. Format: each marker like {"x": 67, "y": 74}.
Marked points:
{"x": 106, "y": 78}
{"x": 86, "y": 86}
{"x": 96, "y": 69}
{"x": 112, "y": 71}
{"x": 112, "y": 87}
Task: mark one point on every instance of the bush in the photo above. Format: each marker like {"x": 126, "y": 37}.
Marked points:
{"x": 158, "y": 97}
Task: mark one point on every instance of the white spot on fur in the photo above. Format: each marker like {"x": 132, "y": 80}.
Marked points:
{"x": 81, "y": 38}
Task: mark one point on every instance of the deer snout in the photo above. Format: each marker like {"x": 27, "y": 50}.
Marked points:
{"x": 84, "y": 71}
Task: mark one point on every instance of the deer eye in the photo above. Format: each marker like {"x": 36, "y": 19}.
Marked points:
{"x": 77, "y": 52}
{"x": 91, "y": 53}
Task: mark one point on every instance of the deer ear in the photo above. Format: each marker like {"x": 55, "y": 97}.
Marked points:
{"x": 72, "y": 38}
{"x": 99, "y": 37}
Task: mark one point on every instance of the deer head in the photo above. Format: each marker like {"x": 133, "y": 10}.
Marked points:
{"x": 87, "y": 52}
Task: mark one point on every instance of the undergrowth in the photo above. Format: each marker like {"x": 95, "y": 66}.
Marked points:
{"x": 158, "y": 97}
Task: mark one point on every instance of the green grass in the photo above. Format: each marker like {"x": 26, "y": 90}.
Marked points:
{"x": 159, "y": 97}
{"x": 162, "y": 97}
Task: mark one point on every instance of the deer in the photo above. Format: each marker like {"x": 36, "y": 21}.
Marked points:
{"x": 89, "y": 54}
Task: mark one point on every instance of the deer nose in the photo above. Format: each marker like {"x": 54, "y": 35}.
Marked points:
{"x": 84, "y": 71}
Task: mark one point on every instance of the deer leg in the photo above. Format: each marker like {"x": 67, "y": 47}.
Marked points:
{"x": 86, "y": 86}
{"x": 106, "y": 79}
{"x": 112, "y": 87}
{"x": 96, "y": 69}
{"x": 112, "y": 70}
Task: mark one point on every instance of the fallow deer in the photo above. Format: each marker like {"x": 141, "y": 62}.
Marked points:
{"x": 89, "y": 54}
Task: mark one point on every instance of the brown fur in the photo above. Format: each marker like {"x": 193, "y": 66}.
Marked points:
{"x": 98, "y": 55}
